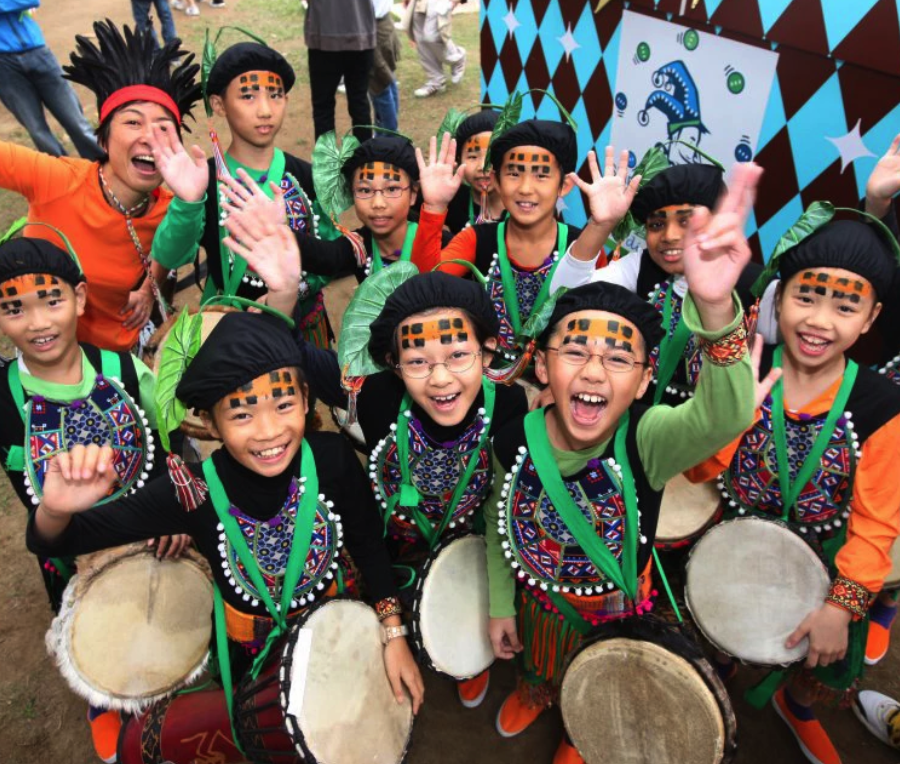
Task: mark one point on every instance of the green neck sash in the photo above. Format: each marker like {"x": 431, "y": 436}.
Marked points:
{"x": 405, "y": 252}
{"x": 624, "y": 576}
{"x": 790, "y": 491}
{"x": 232, "y": 275}
{"x": 671, "y": 350}
{"x": 510, "y": 294}
{"x": 408, "y": 496}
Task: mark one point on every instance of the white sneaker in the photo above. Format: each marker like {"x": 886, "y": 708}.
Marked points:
{"x": 178, "y": 5}
{"x": 881, "y": 716}
{"x": 429, "y": 89}
{"x": 458, "y": 69}
{"x": 193, "y": 10}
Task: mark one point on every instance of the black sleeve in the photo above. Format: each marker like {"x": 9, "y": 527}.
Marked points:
{"x": 153, "y": 511}
{"x": 379, "y": 405}
{"x": 342, "y": 479}
{"x": 511, "y": 403}
{"x": 321, "y": 370}
{"x": 327, "y": 258}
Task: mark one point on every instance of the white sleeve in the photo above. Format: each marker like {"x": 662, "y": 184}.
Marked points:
{"x": 767, "y": 322}
{"x": 573, "y": 272}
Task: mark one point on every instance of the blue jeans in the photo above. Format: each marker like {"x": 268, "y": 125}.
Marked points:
{"x": 31, "y": 80}
{"x": 140, "y": 9}
{"x": 387, "y": 106}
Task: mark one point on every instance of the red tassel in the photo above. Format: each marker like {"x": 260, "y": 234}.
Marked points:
{"x": 511, "y": 373}
{"x": 359, "y": 247}
{"x": 352, "y": 385}
{"x": 485, "y": 215}
{"x": 750, "y": 321}
{"x": 191, "y": 490}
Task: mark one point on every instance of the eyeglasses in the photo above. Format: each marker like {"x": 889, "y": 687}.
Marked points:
{"x": 391, "y": 192}
{"x": 457, "y": 363}
{"x": 618, "y": 363}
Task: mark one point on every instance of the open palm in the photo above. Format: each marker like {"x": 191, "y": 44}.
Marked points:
{"x": 186, "y": 174}
{"x": 439, "y": 179}
{"x": 609, "y": 195}
{"x": 884, "y": 181}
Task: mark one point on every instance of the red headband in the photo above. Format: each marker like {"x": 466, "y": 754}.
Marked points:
{"x": 139, "y": 93}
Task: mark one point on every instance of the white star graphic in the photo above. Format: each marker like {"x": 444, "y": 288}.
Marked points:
{"x": 512, "y": 23}
{"x": 568, "y": 42}
{"x": 850, "y": 147}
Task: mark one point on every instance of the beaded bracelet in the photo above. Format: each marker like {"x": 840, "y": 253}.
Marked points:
{"x": 849, "y": 595}
{"x": 387, "y": 607}
{"x": 727, "y": 350}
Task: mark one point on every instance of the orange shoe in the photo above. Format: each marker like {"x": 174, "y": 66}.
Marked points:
{"x": 567, "y": 754}
{"x": 881, "y": 618}
{"x": 105, "y": 727}
{"x": 472, "y": 691}
{"x": 812, "y": 738}
{"x": 515, "y": 716}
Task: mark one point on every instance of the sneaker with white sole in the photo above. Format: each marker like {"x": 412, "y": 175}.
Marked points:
{"x": 458, "y": 69}
{"x": 429, "y": 89}
{"x": 192, "y": 11}
{"x": 178, "y": 5}
{"x": 881, "y": 716}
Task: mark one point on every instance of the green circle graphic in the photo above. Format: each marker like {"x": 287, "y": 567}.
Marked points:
{"x": 643, "y": 51}
{"x": 736, "y": 82}
{"x": 691, "y": 39}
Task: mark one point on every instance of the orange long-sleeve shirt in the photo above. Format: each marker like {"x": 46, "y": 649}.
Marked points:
{"x": 66, "y": 193}
{"x": 874, "y": 522}
{"x": 427, "y": 252}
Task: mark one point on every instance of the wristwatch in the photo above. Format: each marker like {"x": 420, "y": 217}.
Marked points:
{"x": 392, "y": 632}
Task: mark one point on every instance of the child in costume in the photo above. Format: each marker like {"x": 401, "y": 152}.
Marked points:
{"x": 828, "y": 436}
{"x": 248, "y": 502}
{"x": 663, "y": 205}
{"x": 110, "y": 209}
{"x": 615, "y": 454}
{"x": 533, "y": 165}
{"x": 478, "y": 199}
{"x": 248, "y": 85}
{"x": 420, "y": 344}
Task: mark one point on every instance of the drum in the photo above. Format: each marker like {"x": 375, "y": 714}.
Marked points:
{"x": 450, "y": 613}
{"x": 353, "y": 431}
{"x": 133, "y": 629}
{"x": 326, "y": 697}
{"x": 638, "y": 691}
{"x": 192, "y": 424}
{"x": 892, "y": 581}
{"x": 749, "y": 583}
{"x": 687, "y": 511}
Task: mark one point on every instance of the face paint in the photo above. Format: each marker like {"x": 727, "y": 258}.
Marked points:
{"x": 537, "y": 164}
{"x": 614, "y": 334}
{"x": 372, "y": 170}
{"x": 477, "y": 143}
{"x": 45, "y": 285}
{"x": 275, "y": 384}
{"x": 446, "y": 330}
{"x": 842, "y": 288}
{"x": 253, "y": 82}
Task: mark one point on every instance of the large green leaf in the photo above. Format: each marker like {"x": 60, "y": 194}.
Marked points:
{"x": 509, "y": 117}
{"x": 816, "y": 215}
{"x": 332, "y": 189}
{"x": 365, "y": 306}
{"x": 539, "y": 320}
{"x": 452, "y": 120}
{"x": 180, "y": 347}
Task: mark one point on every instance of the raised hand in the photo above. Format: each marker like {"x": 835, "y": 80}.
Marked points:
{"x": 186, "y": 174}
{"x": 439, "y": 179}
{"x": 715, "y": 248}
{"x": 77, "y": 479}
{"x": 884, "y": 182}
{"x": 609, "y": 195}
{"x": 247, "y": 197}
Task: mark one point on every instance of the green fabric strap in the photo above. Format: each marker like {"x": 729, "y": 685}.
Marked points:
{"x": 405, "y": 252}
{"x": 231, "y": 277}
{"x": 569, "y": 612}
{"x": 408, "y": 496}
{"x": 671, "y": 351}
{"x": 624, "y": 576}
{"x": 224, "y": 660}
{"x": 791, "y": 491}
{"x": 665, "y": 580}
{"x": 471, "y": 208}
{"x": 510, "y": 295}
{"x": 110, "y": 364}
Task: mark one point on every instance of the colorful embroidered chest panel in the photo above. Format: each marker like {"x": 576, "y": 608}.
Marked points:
{"x": 297, "y": 207}
{"x": 270, "y": 542}
{"x": 686, "y": 380}
{"x": 107, "y": 415}
{"x": 542, "y": 545}
{"x": 751, "y": 479}
{"x": 435, "y": 471}
{"x": 528, "y": 286}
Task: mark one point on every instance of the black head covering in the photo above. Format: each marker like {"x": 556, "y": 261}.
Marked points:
{"x": 849, "y": 244}
{"x": 612, "y": 298}
{"x": 241, "y": 347}
{"x": 133, "y": 59}
{"x": 557, "y": 137}
{"x": 421, "y": 293}
{"x": 390, "y": 149}
{"x": 248, "y": 57}
{"x": 24, "y": 255}
{"x": 679, "y": 184}
{"x": 479, "y": 122}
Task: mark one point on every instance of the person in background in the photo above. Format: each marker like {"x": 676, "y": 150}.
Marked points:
{"x": 189, "y": 7}
{"x": 431, "y": 30}
{"x": 140, "y": 9}
{"x": 31, "y": 80}
{"x": 383, "y": 87}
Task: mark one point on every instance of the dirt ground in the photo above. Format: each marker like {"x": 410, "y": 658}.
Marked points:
{"x": 42, "y": 722}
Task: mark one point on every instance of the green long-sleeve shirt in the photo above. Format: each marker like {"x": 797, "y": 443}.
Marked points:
{"x": 670, "y": 440}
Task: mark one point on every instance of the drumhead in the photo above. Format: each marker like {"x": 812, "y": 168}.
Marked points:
{"x": 632, "y": 701}
{"x": 338, "y": 702}
{"x": 134, "y": 630}
{"x": 451, "y": 610}
{"x": 749, "y": 584}
{"x": 893, "y": 578}
{"x": 686, "y": 509}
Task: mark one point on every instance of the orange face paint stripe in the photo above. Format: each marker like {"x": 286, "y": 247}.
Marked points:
{"x": 819, "y": 282}
{"x": 477, "y": 143}
{"x": 274, "y": 384}
{"x": 254, "y": 81}
{"x": 446, "y": 330}
{"x": 43, "y": 283}
{"x": 383, "y": 170}
{"x": 614, "y": 333}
